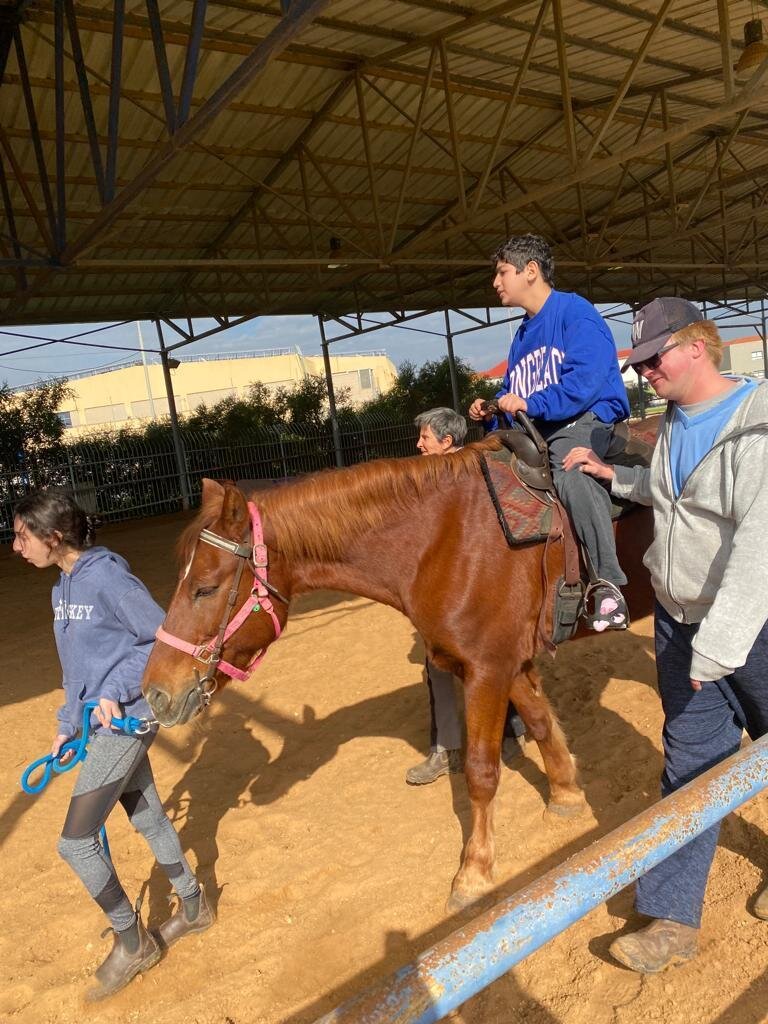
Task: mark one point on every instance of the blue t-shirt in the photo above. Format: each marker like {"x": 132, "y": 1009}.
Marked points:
{"x": 694, "y": 432}
{"x": 563, "y": 362}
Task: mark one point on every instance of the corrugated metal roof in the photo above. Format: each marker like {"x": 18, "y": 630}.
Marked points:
{"x": 321, "y": 143}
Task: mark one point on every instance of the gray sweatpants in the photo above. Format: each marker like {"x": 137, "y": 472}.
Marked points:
{"x": 586, "y": 499}
{"x": 117, "y": 768}
{"x": 444, "y": 721}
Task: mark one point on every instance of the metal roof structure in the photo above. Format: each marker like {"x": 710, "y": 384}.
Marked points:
{"x": 233, "y": 158}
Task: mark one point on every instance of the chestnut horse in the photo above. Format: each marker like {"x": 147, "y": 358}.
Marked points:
{"x": 419, "y": 534}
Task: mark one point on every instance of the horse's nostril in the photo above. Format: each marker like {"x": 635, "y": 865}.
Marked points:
{"x": 158, "y": 699}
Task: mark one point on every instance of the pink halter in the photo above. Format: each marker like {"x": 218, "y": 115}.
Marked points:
{"x": 209, "y": 653}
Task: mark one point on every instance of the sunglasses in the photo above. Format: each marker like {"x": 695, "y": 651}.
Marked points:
{"x": 653, "y": 362}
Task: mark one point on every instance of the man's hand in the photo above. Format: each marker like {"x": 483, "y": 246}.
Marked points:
{"x": 106, "y": 711}
{"x": 56, "y": 746}
{"x": 696, "y": 684}
{"x": 477, "y": 410}
{"x": 511, "y": 404}
{"x": 585, "y": 460}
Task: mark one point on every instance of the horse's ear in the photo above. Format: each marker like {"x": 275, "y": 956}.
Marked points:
{"x": 212, "y": 491}
{"x": 234, "y": 512}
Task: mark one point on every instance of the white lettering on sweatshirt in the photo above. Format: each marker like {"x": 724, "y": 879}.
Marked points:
{"x": 72, "y": 611}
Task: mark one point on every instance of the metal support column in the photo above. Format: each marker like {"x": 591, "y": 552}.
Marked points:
{"x": 178, "y": 444}
{"x": 331, "y": 396}
{"x": 451, "y": 362}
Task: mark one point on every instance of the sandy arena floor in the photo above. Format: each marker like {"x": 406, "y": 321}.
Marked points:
{"x": 329, "y": 872}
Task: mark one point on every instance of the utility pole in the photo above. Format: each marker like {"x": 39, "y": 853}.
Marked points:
{"x": 331, "y": 395}
{"x": 178, "y": 445}
{"x": 147, "y": 381}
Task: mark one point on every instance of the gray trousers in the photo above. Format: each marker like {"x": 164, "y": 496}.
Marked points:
{"x": 587, "y": 500}
{"x": 117, "y": 768}
{"x": 445, "y": 723}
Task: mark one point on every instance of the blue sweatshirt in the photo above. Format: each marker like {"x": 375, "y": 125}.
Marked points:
{"x": 563, "y": 362}
{"x": 104, "y": 622}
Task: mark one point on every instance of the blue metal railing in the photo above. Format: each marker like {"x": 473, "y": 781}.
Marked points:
{"x": 469, "y": 959}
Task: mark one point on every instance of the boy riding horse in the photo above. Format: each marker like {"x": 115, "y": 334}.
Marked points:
{"x": 563, "y": 372}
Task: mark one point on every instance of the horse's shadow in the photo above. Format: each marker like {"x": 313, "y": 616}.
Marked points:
{"x": 212, "y": 784}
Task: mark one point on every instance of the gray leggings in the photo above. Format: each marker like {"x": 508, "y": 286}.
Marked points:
{"x": 117, "y": 768}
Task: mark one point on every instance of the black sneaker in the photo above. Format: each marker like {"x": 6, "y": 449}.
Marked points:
{"x": 608, "y": 609}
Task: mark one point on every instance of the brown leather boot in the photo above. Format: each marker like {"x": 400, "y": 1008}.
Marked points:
{"x": 760, "y": 909}
{"x": 660, "y": 945}
{"x": 121, "y": 966}
{"x": 179, "y": 925}
{"x": 439, "y": 763}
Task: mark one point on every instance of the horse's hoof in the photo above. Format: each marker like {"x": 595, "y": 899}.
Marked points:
{"x": 560, "y": 812}
{"x": 459, "y": 901}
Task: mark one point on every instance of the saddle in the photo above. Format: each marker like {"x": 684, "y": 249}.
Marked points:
{"x": 519, "y": 482}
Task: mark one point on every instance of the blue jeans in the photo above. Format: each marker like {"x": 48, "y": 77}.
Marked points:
{"x": 700, "y": 730}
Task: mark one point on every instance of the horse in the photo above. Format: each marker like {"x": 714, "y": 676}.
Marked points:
{"x": 419, "y": 534}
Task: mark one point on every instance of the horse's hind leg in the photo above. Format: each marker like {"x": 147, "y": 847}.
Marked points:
{"x": 486, "y": 705}
{"x": 526, "y": 693}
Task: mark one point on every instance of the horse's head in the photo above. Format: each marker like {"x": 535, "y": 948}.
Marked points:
{"x": 221, "y": 617}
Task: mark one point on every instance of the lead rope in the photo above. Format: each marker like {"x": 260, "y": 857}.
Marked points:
{"x": 51, "y": 763}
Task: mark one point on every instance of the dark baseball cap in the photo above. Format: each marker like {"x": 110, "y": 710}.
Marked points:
{"x": 656, "y": 322}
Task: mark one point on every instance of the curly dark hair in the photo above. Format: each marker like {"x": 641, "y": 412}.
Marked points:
{"x": 56, "y": 511}
{"x": 522, "y": 249}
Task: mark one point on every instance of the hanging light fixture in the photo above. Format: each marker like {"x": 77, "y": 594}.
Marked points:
{"x": 755, "y": 49}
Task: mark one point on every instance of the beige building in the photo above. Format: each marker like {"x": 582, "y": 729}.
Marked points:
{"x": 134, "y": 394}
{"x": 744, "y": 356}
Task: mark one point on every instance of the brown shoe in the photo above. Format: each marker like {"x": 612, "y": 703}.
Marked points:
{"x": 760, "y": 909}
{"x": 179, "y": 925}
{"x": 121, "y": 966}
{"x": 660, "y": 945}
{"x": 439, "y": 762}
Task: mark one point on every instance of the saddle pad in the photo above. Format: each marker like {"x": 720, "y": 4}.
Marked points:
{"x": 525, "y": 515}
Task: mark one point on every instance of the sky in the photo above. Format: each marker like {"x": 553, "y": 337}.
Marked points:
{"x": 422, "y": 340}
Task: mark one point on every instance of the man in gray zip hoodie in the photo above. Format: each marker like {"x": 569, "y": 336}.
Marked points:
{"x": 708, "y": 484}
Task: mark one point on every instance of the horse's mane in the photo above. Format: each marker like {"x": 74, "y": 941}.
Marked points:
{"x": 317, "y": 518}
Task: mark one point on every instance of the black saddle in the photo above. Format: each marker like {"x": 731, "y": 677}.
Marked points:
{"x": 530, "y": 451}
{"x": 532, "y": 454}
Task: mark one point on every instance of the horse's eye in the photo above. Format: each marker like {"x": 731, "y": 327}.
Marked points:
{"x": 205, "y": 591}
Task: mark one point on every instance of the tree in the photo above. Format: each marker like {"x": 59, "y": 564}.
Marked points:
{"x": 29, "y": 421}
{"x": 416, "y": 390}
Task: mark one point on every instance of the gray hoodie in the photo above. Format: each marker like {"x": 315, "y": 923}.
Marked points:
{"x": 709, "y": 556}
{"x": 104, "y": 622}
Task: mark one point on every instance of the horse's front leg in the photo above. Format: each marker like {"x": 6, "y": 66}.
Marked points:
{"x": 486, "y": 706}
{"x": 566, "y": 796}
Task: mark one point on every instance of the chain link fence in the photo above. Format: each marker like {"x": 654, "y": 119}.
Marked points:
{"x": 133, "y": 477}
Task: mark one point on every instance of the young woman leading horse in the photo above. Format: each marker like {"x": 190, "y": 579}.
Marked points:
{"x": 418, "y": 534}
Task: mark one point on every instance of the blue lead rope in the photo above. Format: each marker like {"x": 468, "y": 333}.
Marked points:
{"x": 53, "y": 762}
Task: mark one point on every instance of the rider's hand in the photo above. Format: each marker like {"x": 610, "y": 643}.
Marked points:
{"x": 56, "y": 746}
{"x": 106, "y": 711}
{"x": 512, "y": 404}
{"x": 477, "y": 410}
{"x": 587, "y": 462}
